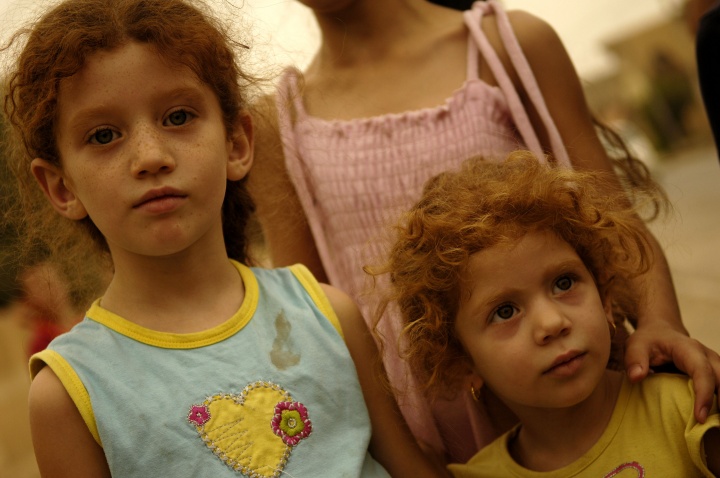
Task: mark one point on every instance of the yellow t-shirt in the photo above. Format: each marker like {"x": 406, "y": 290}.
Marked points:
{"x": 652, "y": 432}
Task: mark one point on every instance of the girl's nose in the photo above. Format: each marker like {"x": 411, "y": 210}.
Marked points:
{"x": 549, "y": 323}
{"x": 151, "y": 154}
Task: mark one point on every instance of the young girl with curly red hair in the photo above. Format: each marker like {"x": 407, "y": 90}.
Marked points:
{"x": 513, "y": 278}
{"x": 401, "y": 90}
{"x": 133, "y": 119}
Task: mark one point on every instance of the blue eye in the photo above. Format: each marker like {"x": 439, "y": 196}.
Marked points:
{"x": 563, "y": 283}
{"x": 502, "y": 313}
{"x": 178, "y": 118}
{"x": 102, "y": 136}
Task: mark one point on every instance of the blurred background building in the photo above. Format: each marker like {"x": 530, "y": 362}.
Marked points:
{"x": 654, "y": 85}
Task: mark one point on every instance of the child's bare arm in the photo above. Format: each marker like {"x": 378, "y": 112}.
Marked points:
{"x": 392, "y": 443}
{"x": 64, "y": 447}
{"x": 711, "y": 442}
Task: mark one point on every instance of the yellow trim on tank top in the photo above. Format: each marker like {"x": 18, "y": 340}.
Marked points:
{"x": 185, "y": 341}
{"x": 312, "y": 286}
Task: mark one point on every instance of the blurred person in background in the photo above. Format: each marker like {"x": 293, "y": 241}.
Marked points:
{"x": 45, "y": 301}
{"x": 704, "y": 19}
{"x": 45, "y": 306}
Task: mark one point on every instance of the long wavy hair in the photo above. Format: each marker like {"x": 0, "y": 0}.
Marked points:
{"x": 482, "y": 205}
{"x": 56, "y": 47}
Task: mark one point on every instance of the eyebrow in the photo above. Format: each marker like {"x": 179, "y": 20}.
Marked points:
{"x": 191, "y": 92}
{"x": 497, "y": 296}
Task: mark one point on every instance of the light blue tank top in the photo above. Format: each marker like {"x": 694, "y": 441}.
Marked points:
{"x": 270, "y": 392}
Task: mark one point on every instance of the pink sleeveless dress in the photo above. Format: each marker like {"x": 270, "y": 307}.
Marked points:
{"x": 354, "y": 178}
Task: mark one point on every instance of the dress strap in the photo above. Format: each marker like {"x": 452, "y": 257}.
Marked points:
{"x": 473, "y": 19}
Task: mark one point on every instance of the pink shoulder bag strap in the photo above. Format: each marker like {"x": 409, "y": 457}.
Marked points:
{"x": 522, "y": 67}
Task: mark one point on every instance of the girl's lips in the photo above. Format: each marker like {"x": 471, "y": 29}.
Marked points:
{"x": 160, "y": 200}
{"x": 156, "y": 194}
{"x": 566, "y": 364}
{"x": 161, "y": 204}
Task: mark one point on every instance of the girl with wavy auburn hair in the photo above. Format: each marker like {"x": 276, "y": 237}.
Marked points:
{"x": 134, "y": 122}
{"x": 512, "y": 280}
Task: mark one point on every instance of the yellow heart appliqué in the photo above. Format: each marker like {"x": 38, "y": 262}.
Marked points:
{"x": 253, "y": 432}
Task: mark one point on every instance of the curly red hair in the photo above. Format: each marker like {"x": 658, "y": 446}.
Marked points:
{"x": 57, "y": 47}
{"x": 485, "y": 204}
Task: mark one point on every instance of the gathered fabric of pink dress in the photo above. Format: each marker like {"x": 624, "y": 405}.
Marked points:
{"x": 356, "y": 177}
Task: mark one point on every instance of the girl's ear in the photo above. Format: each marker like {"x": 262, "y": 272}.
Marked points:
{"x": 605, "y": 296}
{"x": 607, "y": 307}
{"x": 53, "y": 183}
{"x": 475, "y": 384}
{"x": 241, "y": 149}
{"x": 610, "y": 317}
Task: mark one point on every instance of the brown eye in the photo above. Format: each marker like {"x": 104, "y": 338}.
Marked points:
{"x": 564, "y": 283}
{"x": 178, "y": 118}
{"x": 103, "y": 136}
{"x": 505, "y": 312}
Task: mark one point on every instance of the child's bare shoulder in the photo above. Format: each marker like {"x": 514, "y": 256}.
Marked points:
{"x": 538, "y": 40}
{"x": 48, "y": 398}
{"x": 63, "y": 444}
{"x": 344, "y": 306}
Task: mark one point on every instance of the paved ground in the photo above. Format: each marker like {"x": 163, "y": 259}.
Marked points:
{"x": 691, "y": 238}
{"x": 692, "y": 243}
{"x": 16, "y": 457}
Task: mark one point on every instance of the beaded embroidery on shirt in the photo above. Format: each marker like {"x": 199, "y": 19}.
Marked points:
{"x": 628, "y": 466}
{"x": 253, "y": 432}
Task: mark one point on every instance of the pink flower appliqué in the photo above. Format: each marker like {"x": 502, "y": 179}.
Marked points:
{"x": 291, "y": 422}
{"x": 199, "y": 414}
